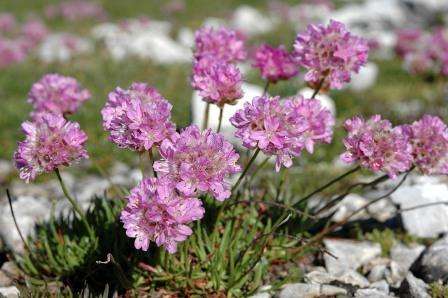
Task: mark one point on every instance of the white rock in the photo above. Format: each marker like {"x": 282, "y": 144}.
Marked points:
{"x": 144, "y": 39}
{"x": 186, "y": 37}
{"x": 350, "y": 254}
{"x": 6, "y": 168}
{"x": 348, "y": 205}
{"x": 324, "y": 99}
{"x": 28, "y": 211}
{"x": 413, "y": 287}
{"x": 435, "y": 217}
{"x": 261, "y": 295}
{"x": 251, "y": 22}
{"x": 301, "y": 290}
{"x": 214, "y": 22}
{"x": 61, "y": 47}
{"x": 354, "y": 278}
{"x": 9, "y": 292}
{"x": 365, "y": 79}
{"x": 371, "y": 293}
{"x": 198, "y": 109}
{"x": 381, "y": 286}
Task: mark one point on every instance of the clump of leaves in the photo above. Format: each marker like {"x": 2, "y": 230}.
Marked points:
{"x": 63, "y": 251}
{"x": 233, "y": 251}
{"x": 386, "y": 238}
{"x": 438, "y": 290}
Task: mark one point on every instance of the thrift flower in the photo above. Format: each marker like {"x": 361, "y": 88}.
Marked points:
{"x": 275, "y": 63}
{"x": 429, "y": 140}
{"x": 220, "y": 44}
{"x": 330, "y": 54}
{"x": 50, "y": 142}
{"x": 57, "y": 94}
{"x": 137, "y": 118}
{"x": 155, "y": 212}
{"x": 198, "y": 162}
{"x": 283, "y": 128}
{"x": 218, "y": 83}
{"x": 376, "y": 145}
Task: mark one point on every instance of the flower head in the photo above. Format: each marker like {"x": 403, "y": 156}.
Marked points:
{"x": 283, "y": 128}
{"x": 155, "y": 212}
{"x": 218, "y": 82}
{"x": 57, "y": 94}
{"x": 429, "y": 140}
{"x": 376, "y": 145}
{"x": 330, "y": 54}
{"x": 198, "y": 162}
{"x": 275, "y": 63}
{"x": 137, "y": 118}
{"x": 7, "y": 22}
{"x": 11, "y": 51}
{"x": 221, "y": 44}
{"x": 50, "y": 142}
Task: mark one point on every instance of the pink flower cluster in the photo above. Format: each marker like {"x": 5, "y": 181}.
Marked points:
{"x": 377, "y": 145}
{"x": 198, "y": 162}
{"x": 283, "y": 128}
{"x": 429, "y": 140}
{"x": 137, "y": 118}
{"x": 218, "y": 82}
{"x": 275, "y": 63}
{"x": 57, "y": 94}
{"x": 76, "y": 10}
{"x": 215, "y": 76}
{"x": 50, "y": 142}
{"x": 423, "y": 53}
{"x": 155, "y": 212}
{"x": 330, "y": 54}
{"x": 219, "y": 44}
{"x": 18, "y": 40}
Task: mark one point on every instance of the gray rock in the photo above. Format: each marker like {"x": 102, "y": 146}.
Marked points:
{"x": 371, "y": 293}
{"x": 352, "y": 277}
{"x": 377, "y": 273}
{"x": 6, "y": 169}
{"x": 402, "y": 258}
{"x": 5, "y": 280}
{"x": 413, "y": 287}
{"x": 436, "y": 216}
{"x": 381, "y": 286}
{"x": 301, "y": 290}
{"x": 433, "y": 265}
{"x": 9, "y": 292}
{"x": 10, "y": 269}
{"x": 319, "y": 277}
{"x": 261, "y": 295}
{"x": 350, "y": 254}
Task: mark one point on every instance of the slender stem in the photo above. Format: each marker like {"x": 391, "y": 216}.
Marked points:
{"x": 266, "y": 87}
{"x": 316, "y": 91}
{"x": 73, "y": 202}
{"x": 251, "y": 161}
{"x": 15, "y": 221}
{"x": 151, "y": 161}
{"x": 206, "y": 114}
{"x": 325, "y": 186}
{"x": 221, "y": 109}
{"x": 333, "y": 227}
{"x": 349, "y": 190}
{"x": 422, "y": 206}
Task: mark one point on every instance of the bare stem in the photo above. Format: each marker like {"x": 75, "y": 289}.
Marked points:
{"x": 221, "y": 109}
{"x": 151, "y": 161}
{"x": 316, "y": 91}
{"x": 251, "y": 161}
{"x": 266, "y": 88}
{"x": 325, "y": 186}
{"x": 206, "y": 114}
{"x": 73, "y": 202}
{"x": 15, "y": 221}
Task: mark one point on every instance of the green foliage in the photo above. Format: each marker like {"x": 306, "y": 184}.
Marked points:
{"x": 386, "y": 238}
{"x": 232, "y": 251}
{"x": 438, "y": 290}
{"x": 62, "y": 251}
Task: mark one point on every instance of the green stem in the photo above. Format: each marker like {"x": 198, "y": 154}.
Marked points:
{"x": 325, "y": 186}
{"x": 221, "y": 109}
{"x": 151, "y": 161}
{"x": 73, "y": 202}
{"x": 206, "y": 113}
{"x": 266, "y": 87}
{"x": 316, "y": 91}
{"x": 251, "y": 161}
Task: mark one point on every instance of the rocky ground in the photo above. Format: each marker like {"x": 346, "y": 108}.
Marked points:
{"x": 376, "y": 263}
